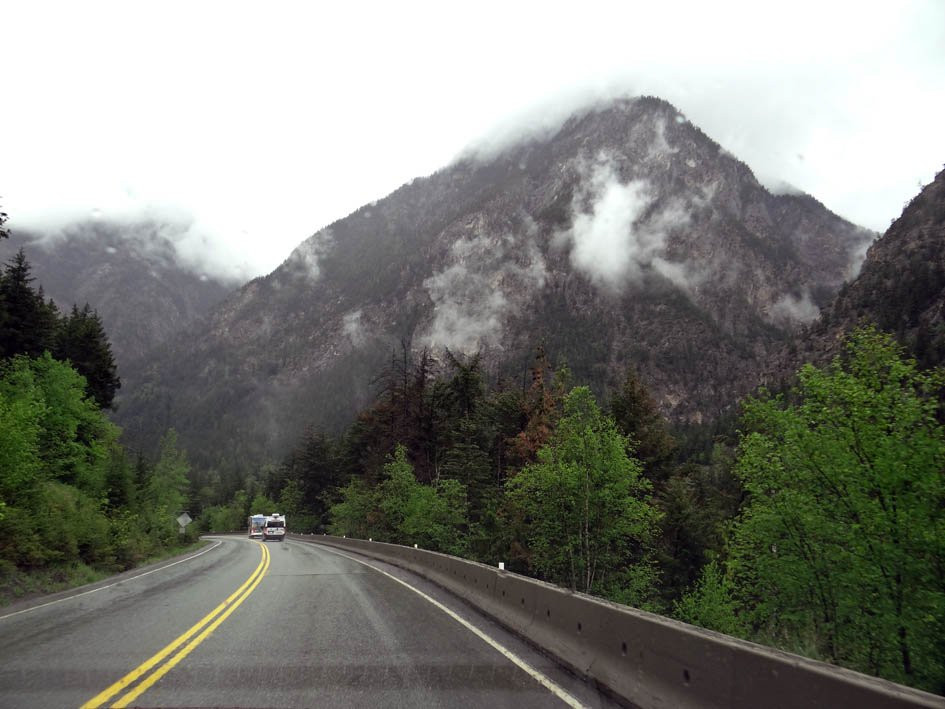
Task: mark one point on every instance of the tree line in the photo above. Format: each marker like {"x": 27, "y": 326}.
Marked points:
{"x": 74, "y": 503}
{"x": 813, "y": 521}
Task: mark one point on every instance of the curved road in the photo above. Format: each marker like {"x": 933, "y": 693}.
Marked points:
{"x": 282, "y": 624}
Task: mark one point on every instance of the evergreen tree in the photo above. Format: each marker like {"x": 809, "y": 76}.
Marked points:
{"x": 539, "y": 412}
{"x": 25, "y": 326}
{"x": 81, "y": 340}
{"x": 315, "y": 465}
{"x": 637, "y": 417}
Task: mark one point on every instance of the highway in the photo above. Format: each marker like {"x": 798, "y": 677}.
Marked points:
{"x": 291, "y": 624}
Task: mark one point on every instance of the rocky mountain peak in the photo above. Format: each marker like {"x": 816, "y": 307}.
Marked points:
{"x": 627, "y": 238}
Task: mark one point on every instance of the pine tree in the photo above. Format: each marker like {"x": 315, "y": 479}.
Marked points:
{"x": 25, "y": 327}
{"x": 637, "y": 417}
{"x": 81, "y": 340}
{"x": 539, "y": 412}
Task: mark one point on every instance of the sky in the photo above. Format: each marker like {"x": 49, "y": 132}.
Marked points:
{"x": 257, "y": 124}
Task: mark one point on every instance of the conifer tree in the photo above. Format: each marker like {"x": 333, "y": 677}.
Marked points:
{"x": 24, "y": 325}
{"x": 538, "y": 411}
{"x": 637, "y": 417}
{"x": 81, "y": 340}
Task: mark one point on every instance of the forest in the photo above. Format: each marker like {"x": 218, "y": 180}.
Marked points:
{"x": 75, "y": 506}
{"x": 811, "y": 519}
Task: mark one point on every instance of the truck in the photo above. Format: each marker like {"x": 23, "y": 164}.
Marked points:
{"x": 274, "y": 528}
{"x": 255, "y": 525}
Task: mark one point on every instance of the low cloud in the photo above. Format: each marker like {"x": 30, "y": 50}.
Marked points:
{"x": 488, "y": 280}
{"x": 354, "y": 328}
{"x": 660, "y": 146}
{"x": 858, "y": 255}
{"x": 303, "y": 262}
{"x": 616, "y": 231}
{"x": 789, "y": 309}
{"x": 159, "y": 232}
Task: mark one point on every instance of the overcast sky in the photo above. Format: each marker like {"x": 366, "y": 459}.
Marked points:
{"x": 262, "y": 122}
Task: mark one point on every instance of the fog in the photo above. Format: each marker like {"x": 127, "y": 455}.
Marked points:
{"x": 488, "y": 280}
{"x": 612, "y": 238}
{"x": 257, "y": 126}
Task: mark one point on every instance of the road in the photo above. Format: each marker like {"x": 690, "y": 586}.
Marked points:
{"x": 278, "y": 624}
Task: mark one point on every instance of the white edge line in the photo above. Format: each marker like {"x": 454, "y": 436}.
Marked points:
{"x": 542, "y": 679}
{"x": 102, "y": 588}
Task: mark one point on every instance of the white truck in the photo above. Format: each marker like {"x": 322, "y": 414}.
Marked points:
{"x": 274, "y": 529}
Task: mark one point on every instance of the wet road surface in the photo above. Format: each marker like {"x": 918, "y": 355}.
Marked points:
{"x": 287, "y": 624}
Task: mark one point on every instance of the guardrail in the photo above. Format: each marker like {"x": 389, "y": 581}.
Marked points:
{"x": 645, "y": 659}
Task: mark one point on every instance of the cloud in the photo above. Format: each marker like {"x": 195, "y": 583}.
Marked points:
{"x": 260, "y": 163}
{"x": 354, "y": 328}
{"x": 148, "y": 227}
{"x": 789, "y": 309}
{"x": 858, "y": 256}
{"x": 303, "y": 262}
{"x": 617, "y": 232}
{"x": 488, "y": 280}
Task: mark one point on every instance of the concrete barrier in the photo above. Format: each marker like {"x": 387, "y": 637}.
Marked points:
{"x": 644, "y": 659}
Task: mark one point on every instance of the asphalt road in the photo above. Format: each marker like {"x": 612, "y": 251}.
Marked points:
{"x": 286, "y": 624}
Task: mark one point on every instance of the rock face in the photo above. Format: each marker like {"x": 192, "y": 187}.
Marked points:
{"x": 130, "y": 274}
{"x": 629, "y": 238}
{"x": 900, "y": 289}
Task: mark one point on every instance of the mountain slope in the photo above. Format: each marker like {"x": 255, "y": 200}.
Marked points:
{"x": 900, "y": 288}
{"x": 130, "y": 273}
{"x": 628, "y": 238}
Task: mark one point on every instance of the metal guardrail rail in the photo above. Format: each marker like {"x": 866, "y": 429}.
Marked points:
{"x": 644, "y": 659}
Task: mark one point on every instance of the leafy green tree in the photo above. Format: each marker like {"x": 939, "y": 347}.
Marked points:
{"x": 435, "y": 517}
{"x": 166, "y": 491}
{"x": 589, "y": 521}
{"x": 74, "y": 438}
{"x": 21, "y": 413}
{"x": 352, "y": 515}
{"x": 842, "y": 541}
{"x": 262, "y": 505}
{"x": 711, "y": 603}
{"x": 55, "y": 453}
{"x": 394, "y": 494}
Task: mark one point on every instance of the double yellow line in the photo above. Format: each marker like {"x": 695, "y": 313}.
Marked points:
{"x": 204, "y": 627}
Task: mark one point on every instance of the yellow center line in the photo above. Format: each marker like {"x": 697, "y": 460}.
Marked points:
{"x": 229, "y": 605}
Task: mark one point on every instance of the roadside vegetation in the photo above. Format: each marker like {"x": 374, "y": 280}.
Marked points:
{"x": 74, "y": 505}
{"x": 814, "y": 521}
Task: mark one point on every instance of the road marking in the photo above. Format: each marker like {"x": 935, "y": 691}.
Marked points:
{"x": 538, "y": 676}
{"x": 212, "y": 620}
{"x": 102, "y": 588}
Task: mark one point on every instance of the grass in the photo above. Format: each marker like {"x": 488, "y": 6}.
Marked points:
{"x": 18, "y": 584}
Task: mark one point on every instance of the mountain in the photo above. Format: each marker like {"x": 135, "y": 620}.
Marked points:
{"x": 900, "y": 288}
{"x": 131, "y": 274}
{"x": 627, "y": 238}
